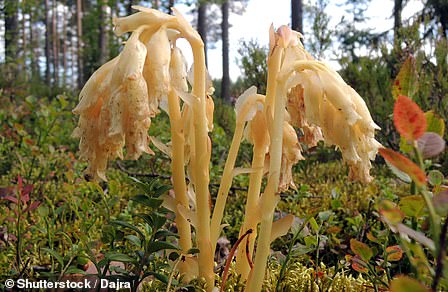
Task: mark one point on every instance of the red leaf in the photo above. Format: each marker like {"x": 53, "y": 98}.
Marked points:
{"x": 359, "y": 268}
{"x": 394, "y": 253}
{"x": 409, "y": 119}
{"x": 404, "y": 164}
{"x": 11, "y": 199}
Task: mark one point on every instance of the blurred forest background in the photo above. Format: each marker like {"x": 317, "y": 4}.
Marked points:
{"x": 53, "y": 46}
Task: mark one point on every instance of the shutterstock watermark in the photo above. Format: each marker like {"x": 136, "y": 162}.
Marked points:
{"x": 67, "y": 284}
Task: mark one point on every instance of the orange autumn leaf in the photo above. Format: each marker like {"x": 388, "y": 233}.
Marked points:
{"x": 394, "y": 253}
{"x": 409, "y": 119}
{"x": 404, "y": 164}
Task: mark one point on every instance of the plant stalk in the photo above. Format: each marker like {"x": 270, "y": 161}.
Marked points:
{"x": 224, "y": 186}
{"x": 201, "y": 165}
{"x": 251, "y": 216}
{"x": 270, "y": 197}
{"x": 178, "y": 171}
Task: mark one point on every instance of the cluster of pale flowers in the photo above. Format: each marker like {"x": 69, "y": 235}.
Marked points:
{"x": 119, "y": 100}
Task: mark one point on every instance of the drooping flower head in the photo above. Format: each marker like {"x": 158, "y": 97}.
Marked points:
{"x": 120, "y": 98}
{"x": 325, "y": 107}
{"x": 114, "y": 110}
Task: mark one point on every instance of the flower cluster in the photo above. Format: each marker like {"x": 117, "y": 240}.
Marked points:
{"x": 120, "y": 98}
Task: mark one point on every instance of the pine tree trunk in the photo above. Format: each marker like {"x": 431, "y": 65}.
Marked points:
{"x": 23, "y": 67}
{"x": 225, "y": 84}
{"x": 170, "y": 5}
{"x": 64, "y": 47}
{"x": 129, "y": 7}
{"x": 297, "y": 15}
{"x": 398, "y": 8}
{"x": 202, "y": 25}
{"x": 34, "y": 48}
{"x": 11, "y": 30}
{"x": 55, "y": 40}
{"x": 102, "y": 36}
{"x": 79, "y": 58}
{"x": 47, "y": 44}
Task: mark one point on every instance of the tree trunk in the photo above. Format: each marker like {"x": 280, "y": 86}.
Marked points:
{"x": 64, "y": 47}
{"x": 11, "y": 30}
{"x": 23, "y": 67}
{"x": 55, "y": 44}
{"x": 225, "y": 84}
{"x": 129, "y": 7}
{"x": 170, "y": 6}
{"x": 102, "y": 36}
{"x": 297, "y": 15}
{"x": 34, "y": 47}
{"x": 398, "y": 7}
{"x": 47, "y": 44}
{"x": 79, "y": 43}
{"x": 202, "y": 24}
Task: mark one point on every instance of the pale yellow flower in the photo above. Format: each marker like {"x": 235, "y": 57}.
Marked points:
{"x": 114, "y": 110}
{"x": 321, "y": 102}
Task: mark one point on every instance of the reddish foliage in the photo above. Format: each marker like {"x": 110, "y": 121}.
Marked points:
{"x": 404, "y": 164}
{"x": 409, "y": 119}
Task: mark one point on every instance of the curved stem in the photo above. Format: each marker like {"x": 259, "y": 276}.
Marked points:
{"x": 224, "y": 186}
{"x": 178, "y": 173}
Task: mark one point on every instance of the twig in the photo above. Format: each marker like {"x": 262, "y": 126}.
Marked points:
{"x": 230, "y": 257}
{"x": 440, "y": 256}
{"x": 249, "y": 258}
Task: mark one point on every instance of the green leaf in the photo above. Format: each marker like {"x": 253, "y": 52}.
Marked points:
{"x": 156, "y": 246}
{"x": 165, "y": 233}
{"x": 406, "y": 81}
{"x": 126, "y": 225}
{"x": 134, "y": 239}
{"x": 55, "y": 254}
{"x": 161, "y": 277}
{"x": 435, "y": 123}
{"x": 75, "y": 270}
{"x": 412, "y": 206}
{"x": 407, "y": 284}
{"x": 310, "y": 240}
{"x": 193, "y": 251}
{"x": 158, "y": 220}
{"x": 173, "y": 256}
{"x": 314, "y": 225}
{"x": 119, "y": 257}
{"x": 147, "y": 201}
{"x": 361, "y": 249}
{"x": 435, "y": 177}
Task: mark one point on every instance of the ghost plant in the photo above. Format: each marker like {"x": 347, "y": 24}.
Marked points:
{"x": 119, "y": 100}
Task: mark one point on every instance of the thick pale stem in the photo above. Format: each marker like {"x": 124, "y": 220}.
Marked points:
{"x": 178, "y": 171}
{"x": 201, "y": 166}
{"x": 251, "y": 218}
{"x": 226, "y": 182}
{"x": 269, "y": 199}
{"x": 274, "y": 64}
